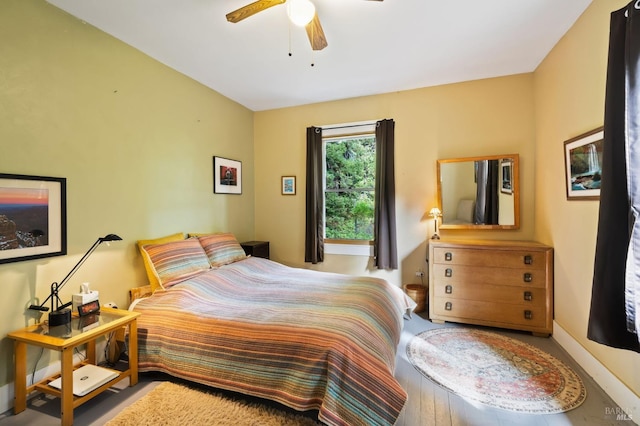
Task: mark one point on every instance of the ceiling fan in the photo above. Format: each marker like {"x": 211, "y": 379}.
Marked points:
{"x": 301, "y": 12}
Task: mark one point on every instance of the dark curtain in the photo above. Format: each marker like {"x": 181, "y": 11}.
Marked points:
{"x": 612, "y": 319}
{"x": 385, "y": 248}
{"x": 486, "y": 209}
{"x": 314, "y": 227}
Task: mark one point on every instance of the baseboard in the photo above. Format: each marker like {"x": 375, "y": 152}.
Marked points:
{"x": 625, "y": 398}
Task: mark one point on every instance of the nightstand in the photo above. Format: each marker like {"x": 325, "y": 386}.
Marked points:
{"x": 256, "y": 248}
{"x": 64, "y": 339}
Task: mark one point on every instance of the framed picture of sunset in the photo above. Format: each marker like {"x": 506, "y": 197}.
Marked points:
{"x": 33, "y": 217}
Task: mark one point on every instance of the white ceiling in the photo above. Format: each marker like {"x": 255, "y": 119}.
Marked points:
{"x": 374, "y": 47}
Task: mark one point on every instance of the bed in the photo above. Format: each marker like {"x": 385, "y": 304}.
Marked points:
{"x": 306, "y": 339}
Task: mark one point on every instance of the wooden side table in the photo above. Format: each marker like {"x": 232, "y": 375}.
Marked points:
{"x": 256, "y": 248}
{"x": 64, "y": 339}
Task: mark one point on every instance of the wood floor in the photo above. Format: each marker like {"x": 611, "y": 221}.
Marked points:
{"x": 429, "y": 404}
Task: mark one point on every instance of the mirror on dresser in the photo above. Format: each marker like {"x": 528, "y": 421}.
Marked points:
{"x": 479, "y": 192}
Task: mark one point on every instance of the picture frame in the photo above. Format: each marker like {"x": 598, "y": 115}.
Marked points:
{"x": 33, "y": 217}
{"x": 288, "y": 185}
{"x": 583, "y": 165}
{"x": 506, "y": 173}
{"x": 227, "y": 176}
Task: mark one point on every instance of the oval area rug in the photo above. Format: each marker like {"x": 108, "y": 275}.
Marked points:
{"x": 496, "y": 370}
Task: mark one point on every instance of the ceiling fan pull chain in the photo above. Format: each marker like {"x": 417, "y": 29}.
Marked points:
{"x": 313, "y": 53}
{"x": 289, "y": 26}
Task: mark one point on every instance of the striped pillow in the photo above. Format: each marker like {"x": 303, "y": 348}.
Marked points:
{"x": 222, "y": 248}
{"x": 176, "y": 261}
{"x": 153, "y": 281}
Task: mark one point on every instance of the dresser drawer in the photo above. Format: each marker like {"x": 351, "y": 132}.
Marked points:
{"x": 489, "y": 275}
{"x": 490, "y": 313}
{"x": 525, "y": 296}
{"x": 489, "y": 257}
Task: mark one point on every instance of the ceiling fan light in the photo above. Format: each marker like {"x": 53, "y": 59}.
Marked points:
{"x": 300, "y": 12}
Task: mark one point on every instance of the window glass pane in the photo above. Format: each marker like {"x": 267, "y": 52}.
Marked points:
{"x": 349, "y": 215}
{"x": 349, "y": 188}
{"x": 351, "y": 163}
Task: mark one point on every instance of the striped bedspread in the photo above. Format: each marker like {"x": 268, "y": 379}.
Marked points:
{"x": 307, "y": 339}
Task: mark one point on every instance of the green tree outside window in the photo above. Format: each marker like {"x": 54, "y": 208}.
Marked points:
{"x": 350, "y": 187}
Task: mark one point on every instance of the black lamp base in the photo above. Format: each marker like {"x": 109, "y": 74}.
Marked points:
{"x": 60, "y": 317}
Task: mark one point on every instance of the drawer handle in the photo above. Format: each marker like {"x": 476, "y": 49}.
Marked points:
{"x": 448, "y": 289}
{"x": 448, "y": 306}
{"x": 527, "y": 277}
{"x": 528, "y": 296}
{"x": 448, "y": 256}
{"x": 528, "y": 259}
{"x": 528, "y": 315}
{"x": 448, "y": 273}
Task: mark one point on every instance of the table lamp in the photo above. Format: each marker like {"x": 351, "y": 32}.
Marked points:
{"x": 60, "y": 313}
{"x": 435, "y": 213}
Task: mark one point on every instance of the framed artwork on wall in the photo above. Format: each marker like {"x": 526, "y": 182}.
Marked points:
{"x": 33, "y": 217}
{"x": 288, "y": 185}
{"x": 227, "y": 176}
{"x": 583, "y": 165}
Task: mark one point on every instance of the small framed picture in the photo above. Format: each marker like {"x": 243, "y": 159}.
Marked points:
{"x": 33, "y": 217}
{"x": 506, "y": 167}
{"x": 227, "y": 176}
{"x": 288, "y": 185}
{"x": 583, "y": 165}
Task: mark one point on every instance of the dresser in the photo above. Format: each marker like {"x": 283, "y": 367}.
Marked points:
{"x": 507, "y": 284}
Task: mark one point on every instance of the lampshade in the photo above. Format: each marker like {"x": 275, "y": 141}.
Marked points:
{"x": 435, "y": 212}
{"x": 300, "y": 12}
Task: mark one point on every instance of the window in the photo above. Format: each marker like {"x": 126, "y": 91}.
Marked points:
{"x": 356, "y": 172}
{"x": 349, "y": 187}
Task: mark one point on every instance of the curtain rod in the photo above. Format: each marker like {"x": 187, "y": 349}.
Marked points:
{"x": 348, "y": 125}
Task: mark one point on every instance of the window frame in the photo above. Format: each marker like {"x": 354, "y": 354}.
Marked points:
{"x": 338, "y": 132}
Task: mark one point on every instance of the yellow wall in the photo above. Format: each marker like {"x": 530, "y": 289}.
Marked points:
{"x": 569, "y": 100}
{"x": 134, "y": 139}
{"x": 486, "y": 117}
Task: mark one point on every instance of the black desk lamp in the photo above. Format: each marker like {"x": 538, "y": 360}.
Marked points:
{"x": 60, "y": 313}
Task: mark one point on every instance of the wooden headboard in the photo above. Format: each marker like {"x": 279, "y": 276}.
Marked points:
{"x": 139, "y": 292}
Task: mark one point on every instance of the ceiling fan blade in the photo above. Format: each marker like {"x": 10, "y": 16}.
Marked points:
{"x": 252, "y": 9}
{"x": 316, "y": 34}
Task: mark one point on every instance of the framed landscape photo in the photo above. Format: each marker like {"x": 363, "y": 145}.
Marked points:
{"x": 288, "y": 185}
{"x": 33, "y": 217}
{"x": 506, "y": 169}
{"x": 227, "y": 176}
{"x": 583, "y": 165}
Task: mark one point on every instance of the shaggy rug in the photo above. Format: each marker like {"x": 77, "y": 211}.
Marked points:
{"x": 173, "y": 404}
{"x": 496, "y": 370}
